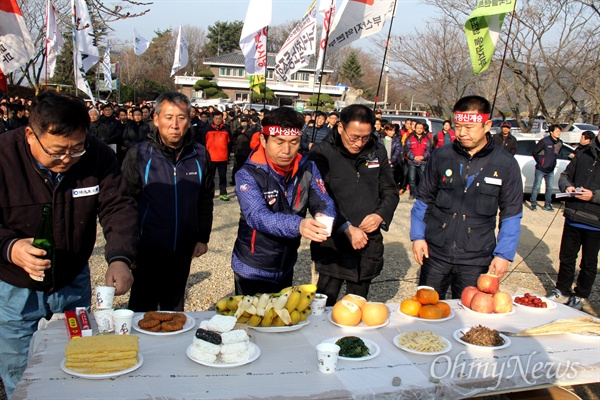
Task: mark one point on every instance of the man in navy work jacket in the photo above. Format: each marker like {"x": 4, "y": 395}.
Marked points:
{"x": 171, "y": 177}
{"x": 275, "y": 188}
{"x": 454, "y": 217}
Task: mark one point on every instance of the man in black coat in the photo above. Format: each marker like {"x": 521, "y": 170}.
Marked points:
{"x": 506, "y": 140}
{"x": 359, "y": 178}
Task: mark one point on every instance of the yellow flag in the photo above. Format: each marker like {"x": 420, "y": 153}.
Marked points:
{"x": 256, "y": 81}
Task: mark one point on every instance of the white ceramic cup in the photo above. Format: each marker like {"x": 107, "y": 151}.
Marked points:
{"x": 327, "y": 221}
{"x": 318, "y": 304}
{"x": 122, "y": 320}
{"x": 327, "y": 355}
{"x": 104, "y": 297}
{"x": 104, "y": 320}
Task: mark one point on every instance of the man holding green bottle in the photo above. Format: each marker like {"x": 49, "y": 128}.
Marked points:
{"x": 53, "y": 161}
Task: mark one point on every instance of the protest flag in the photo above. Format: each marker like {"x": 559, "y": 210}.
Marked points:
{"x": 16, "y": 47}
{"x": 300, "y": 45}
{"x": 84, "y": 33}
{"x": 483, "y": 29}
{"x": 253, "y": 40}
{"x": 140, "y": 45}
{"x": 106, "y": 70}
{"x": 181, "y": 53}
{"x": 256, "y": 81}
{"x": 327, "y": 11}
{"x": 358, "y": 19}
{"x": 54, "y": 40}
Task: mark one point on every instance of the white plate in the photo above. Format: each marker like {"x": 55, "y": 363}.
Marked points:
{"x": 190, "y": 322}
{"x": 374, "y": 349}
{"x": 423, "y": 353}
{"x": 549, "y": 303}
{"x": 429, "y": 320}
{"x": 102, "y": 376}
{"x": 281, "y": 329}
{"x": 360, "y": 327}
{"x": 254, "y": 354}
{"x": 492, "y": 315}
{"x": 459, "y": 332}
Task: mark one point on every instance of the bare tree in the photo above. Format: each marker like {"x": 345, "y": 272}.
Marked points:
{"x": 34, "y": 11}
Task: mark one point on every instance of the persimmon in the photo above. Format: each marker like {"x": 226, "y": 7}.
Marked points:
{"x": 410, "y": 307}
{"x": 374, "y": 313}
{"x": 444, "y": 307}
{"x": 427, "y": 296}
{"x": 430, "y": 312}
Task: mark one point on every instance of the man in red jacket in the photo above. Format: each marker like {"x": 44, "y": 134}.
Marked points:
{"x": 218, "y": 137}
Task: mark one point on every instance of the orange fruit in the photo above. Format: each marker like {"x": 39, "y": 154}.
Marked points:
{"x": 427, "y": 296}
{"x": 410, "y": 307}
{"x": 374, "y": 313}
{"x": 356, "y": 299}
{"x": 430, "y": 312}
{"x": 444, "y": 307}
{"x": 347, "y": 313}
{"x": 415, "y": 298}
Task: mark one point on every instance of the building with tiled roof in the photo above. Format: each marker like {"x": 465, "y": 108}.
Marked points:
{"x": 232, "y": 79}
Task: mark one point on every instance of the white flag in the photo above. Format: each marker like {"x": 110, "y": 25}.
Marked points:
{"x": 181, "y": 53}
{"x": 140, "y": 45}
{"x": 106, "y": 69}
{"x": 358, "y": 19}
{"x": 84, "y": 35}
{"x": 16, "y": 47}
{"x": 54, "y": 40}
{"x": 327, "y": 11}
{"x": 299, "y": 46}
{"x": 80, "y": 80}
{"x": 253, "y": 40}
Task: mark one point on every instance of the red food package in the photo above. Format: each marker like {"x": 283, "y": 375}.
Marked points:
{"x": 73, "y": 326}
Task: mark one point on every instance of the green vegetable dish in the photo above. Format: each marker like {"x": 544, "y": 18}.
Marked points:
{"x": 352, "y": 347}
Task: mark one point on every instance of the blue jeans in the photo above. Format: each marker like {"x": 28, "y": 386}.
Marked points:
{"x": 415, "y": 172}
{"x": 21, "y": 310}
{"x": 537, "y": 183}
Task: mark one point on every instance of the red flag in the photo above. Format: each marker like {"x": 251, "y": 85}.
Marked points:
{"x": 3, "y": 82}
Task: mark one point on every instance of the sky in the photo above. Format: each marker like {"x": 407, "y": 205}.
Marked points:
{"x": 165, "y": 14}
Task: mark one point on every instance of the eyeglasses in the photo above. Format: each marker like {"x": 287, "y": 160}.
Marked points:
{"x": 62, "y": 156}
{"x": 354, "y": 139}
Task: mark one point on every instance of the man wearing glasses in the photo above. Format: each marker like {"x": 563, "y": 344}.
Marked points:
{"x": 360, "y": 180}
{"x": 53, "y": 160}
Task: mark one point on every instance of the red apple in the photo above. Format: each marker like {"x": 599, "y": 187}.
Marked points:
{"x": 483, "y": 303}
{"x": 502, "y": 302}
{"x": 467, "y": 295}
{"x": 488, "y": 283}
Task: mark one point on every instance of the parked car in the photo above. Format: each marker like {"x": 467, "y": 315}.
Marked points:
{"x": 574, "y": 133}
{"x": 526, "y": 162}
{"x": 259, "y": 106}
{"x": 497, "y": 123}
{"x": 435, "y": 124}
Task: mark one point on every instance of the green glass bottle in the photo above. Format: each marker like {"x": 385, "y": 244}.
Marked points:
{"x": 44, "y": 239}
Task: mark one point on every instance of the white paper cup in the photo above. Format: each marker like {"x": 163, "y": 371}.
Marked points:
{"x": 425, "y": 287}
{"x": 122, "y": 320}
{"x": 104, "y": 320}
{"x": 327, "y": 355}
{"x": 318, "y": 304}
{"x": 327, "y": 221}
{"x": 104, "y": 296}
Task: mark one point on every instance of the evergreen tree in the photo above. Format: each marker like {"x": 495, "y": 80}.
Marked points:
{"x": 223, "y": 37}
{"x": 351, "y": 70}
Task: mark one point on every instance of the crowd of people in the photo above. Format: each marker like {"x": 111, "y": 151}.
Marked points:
{"x": 147, "y": 174}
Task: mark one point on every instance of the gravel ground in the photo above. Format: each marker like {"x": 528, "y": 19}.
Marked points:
{"x": 534, "y": 269}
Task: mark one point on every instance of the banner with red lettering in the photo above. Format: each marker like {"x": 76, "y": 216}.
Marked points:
{"x": 253, "y": 40}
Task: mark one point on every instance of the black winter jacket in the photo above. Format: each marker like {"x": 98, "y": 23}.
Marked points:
{"x": 546, "y": 153}
{"x": 359, "y": 185}
{"x": 24, "y": 188}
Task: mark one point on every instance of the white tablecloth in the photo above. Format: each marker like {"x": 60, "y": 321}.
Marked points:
{"x": 287, "y": 365}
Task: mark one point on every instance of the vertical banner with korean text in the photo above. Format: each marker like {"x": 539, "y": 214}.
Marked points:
{"x": 299, "y": 46}
{"x": 181, "y": 53}
{"x": 16, "y": 47}
{"x": 253, "y": 40}
{"x": 483, "y": 29}
{"x": 54, "y": 39}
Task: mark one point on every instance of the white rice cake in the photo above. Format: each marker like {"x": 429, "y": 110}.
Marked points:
{"x": 233, "y": 347}
{"x": 206, "y": 347}
{"x": 221, "y": 323}
{"x": 232, "y": 358}
{"x": 238, "y": 335}
{"x": 202, "y": 356}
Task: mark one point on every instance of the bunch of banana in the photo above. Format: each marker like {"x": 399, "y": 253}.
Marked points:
{"x": 286, "y": 308}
